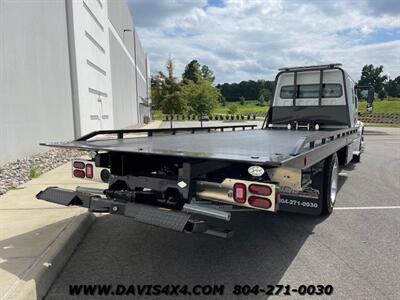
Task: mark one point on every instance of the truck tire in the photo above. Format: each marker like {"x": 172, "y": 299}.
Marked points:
{"x": 357, "y": 158}
{"x": 330, "y": 185}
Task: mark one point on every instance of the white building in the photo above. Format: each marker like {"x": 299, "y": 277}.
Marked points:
{"x": 68, "y": 67}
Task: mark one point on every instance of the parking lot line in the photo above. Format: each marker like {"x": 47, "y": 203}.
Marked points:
{"x": 366, "y": 207}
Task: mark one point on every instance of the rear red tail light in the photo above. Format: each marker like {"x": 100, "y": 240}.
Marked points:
{"x": 79, "y": 165}
{"x": 79, "y": 173}
{"x": 239, "y": 192}
{"x": 260, "y": 202}
{"x": 89, "y": 170}
{"x": 262, "y": 190}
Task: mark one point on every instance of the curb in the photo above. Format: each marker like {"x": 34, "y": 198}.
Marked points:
{"x": 46, "y": 268}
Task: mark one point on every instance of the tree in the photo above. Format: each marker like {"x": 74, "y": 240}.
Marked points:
{"x": 157, "y": 82}
{"x": 373, "y": 76}
{"x": 249, "y": 89}
{"x": 382, "y": 94}
{"x": 222, "y": 100}
{"x": 392, "y": 87}
{"x": 192, "y": 72}
{"x": 242, "y": 100}
{"x": 168, "y": 91}
{"x": 266, "y": 93}
{"x": 207, "y": 74}
{"x": 202, "y": 97}
{"x": 232, "y": 109}
{"x": 261, "y": 100}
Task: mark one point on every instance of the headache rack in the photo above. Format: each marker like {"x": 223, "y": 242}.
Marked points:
{"x": 316, "y": 67}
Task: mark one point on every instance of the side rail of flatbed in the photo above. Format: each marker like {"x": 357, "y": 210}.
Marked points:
{"x": 310, "y": 142}
{"x": 311, "y": 149}
{"x": 162, "y": 131}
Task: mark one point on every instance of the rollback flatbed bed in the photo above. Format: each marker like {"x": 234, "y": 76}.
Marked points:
{"x": 180, "y": 178}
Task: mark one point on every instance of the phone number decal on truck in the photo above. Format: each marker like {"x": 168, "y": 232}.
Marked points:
{"x": 298, "y": 203}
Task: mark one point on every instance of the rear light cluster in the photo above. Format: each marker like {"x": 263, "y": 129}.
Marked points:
{"x": 260, "y": 202}
{"x": 239, "y": 192}
{"x": 82, "y": 170}
{"x": 79, "y": 173}
{"x": 89, "y": 170}
{"x": 262, "y": 190}
{"x": 259, "y": 194}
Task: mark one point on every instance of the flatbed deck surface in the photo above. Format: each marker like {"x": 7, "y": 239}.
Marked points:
{"x": 254, "y": 146}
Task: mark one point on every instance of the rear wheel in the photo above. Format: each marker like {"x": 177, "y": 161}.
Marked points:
{"x": 357, "y": 158}
{"x": 331, "y": 175}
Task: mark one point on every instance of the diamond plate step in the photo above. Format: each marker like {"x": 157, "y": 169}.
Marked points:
{"x": 157, "y": 216}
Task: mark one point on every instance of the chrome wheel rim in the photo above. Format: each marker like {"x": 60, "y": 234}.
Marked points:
{"x": 334, "y": 183}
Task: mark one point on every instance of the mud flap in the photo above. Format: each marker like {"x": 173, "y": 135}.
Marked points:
{"x": 309, "y": 201}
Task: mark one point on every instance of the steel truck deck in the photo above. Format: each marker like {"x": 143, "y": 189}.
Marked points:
{"x": 261, "y": 146}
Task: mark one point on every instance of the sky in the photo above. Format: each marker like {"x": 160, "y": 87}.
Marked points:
{"x": 243, "y": 40}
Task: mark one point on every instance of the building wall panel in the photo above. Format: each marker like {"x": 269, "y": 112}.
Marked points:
{"x": 67, "y": 67}
{"x": 35, "y": 90}
{"x": 123, "y": 86}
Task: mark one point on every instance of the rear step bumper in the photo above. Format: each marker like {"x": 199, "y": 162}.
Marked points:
{"x": 152, "y": 215}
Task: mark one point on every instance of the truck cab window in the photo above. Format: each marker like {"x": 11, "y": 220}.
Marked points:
{"x": 329, "y": 90}
{"x": 287, "y": 92}
{"x": 308, "y": 91}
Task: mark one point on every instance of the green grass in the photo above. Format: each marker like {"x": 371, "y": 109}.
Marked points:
{"x": 382, "y": 106}
{"x": 392, "y": 105}
{"x": 381, "y": 125}
{"x": 250, "y": 107}
{"x": 158, "y": 115}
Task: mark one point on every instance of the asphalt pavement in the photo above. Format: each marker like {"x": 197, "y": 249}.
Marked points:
{"x": 356, "y": 249}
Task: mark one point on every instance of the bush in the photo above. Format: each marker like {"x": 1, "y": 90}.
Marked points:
{"x": 232, "y": 109}
{"x": 382, "y": 94}
{"x": 226, "y": 117}
{"x": 237, "y": 117}
{"x": 221, "y": 117}
{"x": 34, "y": 171}
{"x": 248, "y": 117}
{"x": 232, "y": 117}
{"x": 254, "y": 116}
{"x": 261, "y": 100}
{"x": 211, "y": 117}
{"x": 242, "y": 117}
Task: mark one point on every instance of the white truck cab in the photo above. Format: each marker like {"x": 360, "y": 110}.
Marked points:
{"x": 300, "y": 92}
{"x": 322, "y": 97}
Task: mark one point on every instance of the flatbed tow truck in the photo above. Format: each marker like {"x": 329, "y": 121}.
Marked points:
{"x": 183, "y": 178}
